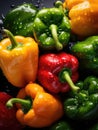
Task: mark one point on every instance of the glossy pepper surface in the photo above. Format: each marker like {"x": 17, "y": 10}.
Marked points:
{"x": 57, "y": 72}
{"x": 83, "y": 16}
{"x": 60, "y": 125}
{"x": 41, "y": 110}
{"x": 19, "y": 59}
{"x": 20, "y": 19}
{"x": 83, "y": 105}
{"x": 87, "y": 53}
{"x": 8, "y": 116}
{"x": 51, "y": 28}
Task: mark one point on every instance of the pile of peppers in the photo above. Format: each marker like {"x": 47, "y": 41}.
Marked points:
{"x": 48, "y": 68}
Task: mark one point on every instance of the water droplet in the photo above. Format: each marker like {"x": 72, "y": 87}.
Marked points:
{"x": 12, "y": 6}
{"x": 2, "y": 16}
{"x": 1, "y": 22}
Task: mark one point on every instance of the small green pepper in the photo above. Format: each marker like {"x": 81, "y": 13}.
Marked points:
{"x": 83, "y": 105}
{"x": 51, "y": 28}
{"x": 87, "y": 53}
{"x": 20, "y": 20}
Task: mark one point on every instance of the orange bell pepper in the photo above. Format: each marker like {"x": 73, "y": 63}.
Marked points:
{"x": 70, "y": 3}
{"x": 41, "y": 110}
{"x": 83, "y": 16}
{"x": 19, "y": 59}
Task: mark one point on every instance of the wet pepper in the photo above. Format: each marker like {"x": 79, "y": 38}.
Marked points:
{"x": 87, "y": 53}
{"x": 19, "y": 59}
{"x": 38, "y": 108}
{"x": 83, "y": 105}
{"x": 57, "y": 72}
{"x": 60, "y": 125}
{"x": 20, "y": 19}
{"x": 51, "y": 28}
{"x": 83, "y": 16}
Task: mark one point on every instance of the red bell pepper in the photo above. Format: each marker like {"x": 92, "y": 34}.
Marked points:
{"x": 58, "y": 72}
{"x": 8, "y": 119}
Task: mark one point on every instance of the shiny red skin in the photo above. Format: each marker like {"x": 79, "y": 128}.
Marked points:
{"x": 50, "y": 65}
{"x": 7, "y": 116}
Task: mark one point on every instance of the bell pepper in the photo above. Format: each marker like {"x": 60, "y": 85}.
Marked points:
{"x": 51, "y": 28}
{"x": 60, "y": 125}
{"x": 37, "y": 108}
{"x": 8, "y": 116}
{"x": 83, "y": 16}
{"x": 19, "y": 59}
{"x": 83, "y": 105}
{"x": 20, "y": 19}
{"x": 69, "y": 4}
{"x": 57, "y": 72}
{"x": 87, "y": 53}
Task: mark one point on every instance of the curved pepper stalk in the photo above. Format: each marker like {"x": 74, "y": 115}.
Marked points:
{"x": 26, "y": 103}
{"x": 51, "y": 28}
{"x": 14, "y": 43}
{"x": 16, "y": 59}
{"x": 58, "y": 72}
{"x": 83, "y": 105}
{"x": 39, "y": 108}
{"x": 64, "y": 76}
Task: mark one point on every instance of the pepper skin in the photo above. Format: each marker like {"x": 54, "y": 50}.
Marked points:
{"x": 83, "y": 105}
{"x": 41, "y": 110}
{"x": 83, "y": 16}
{"x": 20, "y": 19}
{"x": 71, "y": 3}
{"x": 57, "y": 72}
{"x": 19, "y": 59}
{"x": 51, "y": 28}
{"x": 60, "y": 125}
{"x": 87, "y": 53}
{"x": 8, "y": 116}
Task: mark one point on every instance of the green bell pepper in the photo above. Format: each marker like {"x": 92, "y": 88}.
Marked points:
{"x": 20, "y": 19}
{"x": 60, "y": 125}
{"x": 83, "y": 105}
{"x": 87, "y": 53}
{"x": 51, "y": 28}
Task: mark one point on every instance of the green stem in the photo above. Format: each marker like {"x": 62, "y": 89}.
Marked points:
{"x": 64, "y": 76}
{"x": 59, "y": 4}
{"x": 53, "y": 29}
{"x": 26, "y": 103}
{"x": 70, "y": 82}
{"x": 14, "y": 43}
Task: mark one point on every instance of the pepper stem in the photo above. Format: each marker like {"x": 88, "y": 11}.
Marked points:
{"x": 53, "y": 29}
{"x": 26, "y": 103}
{"x": 70, "y": 82}
{"x": 14, "y": 43}
{"x": 65, "y": 77}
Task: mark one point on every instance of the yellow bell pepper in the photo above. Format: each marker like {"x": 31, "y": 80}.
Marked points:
{"x": 83, "y": 16}
{"x": 19, "y": 59}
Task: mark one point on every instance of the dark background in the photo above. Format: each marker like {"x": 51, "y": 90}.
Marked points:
{"x": 6, "y": 5}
